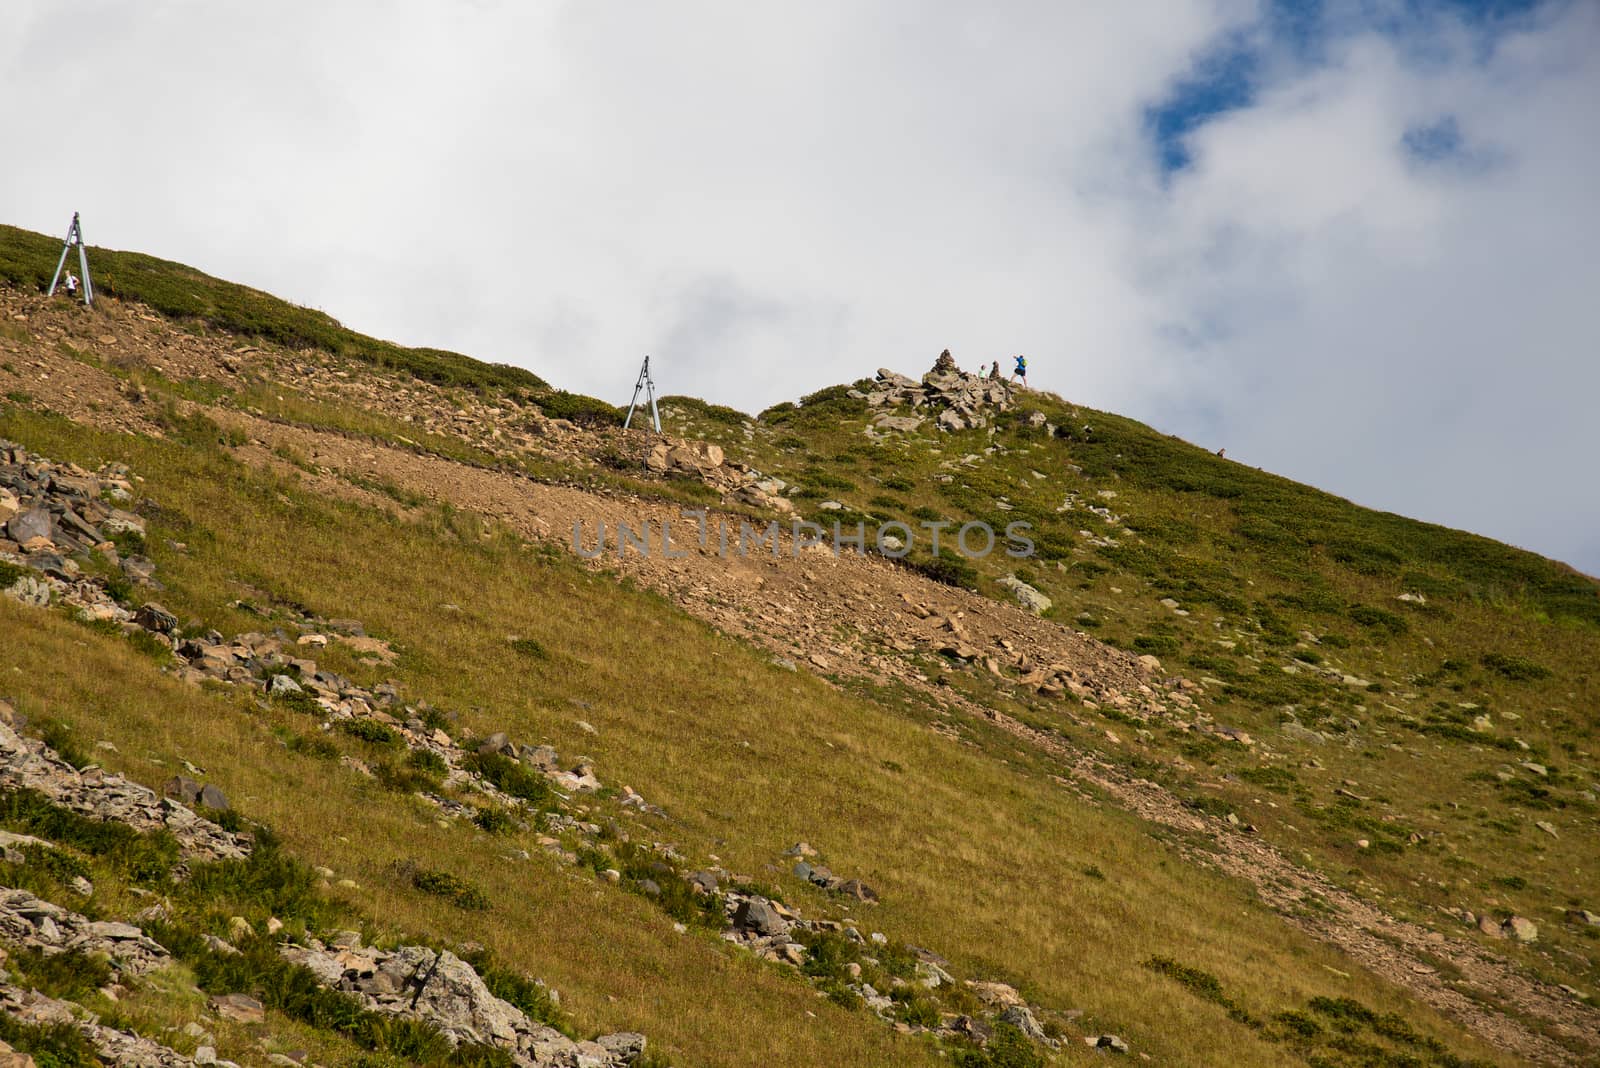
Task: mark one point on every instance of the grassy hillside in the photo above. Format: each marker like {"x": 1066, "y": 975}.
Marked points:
{"x": 1451, "y": 680}
{"x": 746, "y": 758}
{"x": 1428, "y": 754}
{"x": 28, "y": 260}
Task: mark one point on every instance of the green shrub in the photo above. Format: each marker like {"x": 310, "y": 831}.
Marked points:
{"x": 70, "y": 974}
{"x": 143, "y": 858}
{"x": 585, "y": 411}
{"x": 426, "y": 760}
{"x": 512, "y": 778}
{"x": 495, "y": 820}
{"x": 1515, "y": 668}
{"x": 529, "y": 995}
{"x": 1008, "y": 1048}
{"x": 947, "y": 568}
{"x": 268, "y": 882}
{"x": 530, "y": 648}
{"x": 899, "y": 483}
{"x": 824, "y": 480}
{"x": 405, "y": 777}
{"x": 454, "y": 889}
{"x": 370, "y": 730}
{"x": 716, "y": 413}
{"x": 58, "y": 736}
{"x": 58, "y": 1045}
{"x": 314, "y": 745}
{"x": 10, "y": 573}
{"x": 1378, "y": 619}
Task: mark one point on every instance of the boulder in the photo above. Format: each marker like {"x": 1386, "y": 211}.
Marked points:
{"x": 240, "y": 1008}
{"x": 756, "y": 915}
{"x": 497, "y": 743}
{"x": 280, "y": 685}
{"x": 213, "y": 798}
{"x": 182, "y": 789}
{"x": 897, "y": 422}
{"x": 152, "y": 616}
{"x": 1521, "y": 928}
{"x": 27, "y": 525}
{"x": 859, "y": 890}
{"x": 1021, "y": 1017}
{"x": 1026, "y": 595}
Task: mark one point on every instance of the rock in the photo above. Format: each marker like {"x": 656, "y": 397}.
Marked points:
{"x": 1547, "y": 827}
{"x": 105, "y": 797}
{"x": 1110, "y": 1042}
{"x": 1521, "y": 928}
{"x": 1150, "y": 665}
{"x": 757, "y": 914}
{"x": 27, "y": 525}
{"x": 280, "y": 685}
{"x": 996, "y": 995}
{"x": 1303, "y": 734}
{"x": 904, "y": 423}
{"x": 800, "y": 849}
{"x": 624, "y": 1047}
{"x": 415, "y": 982}
{"x": 10, "y": 1058}
{"x": 1026, "y": 595}
{"x": 213, "y": 798}
{"x": 497, "y": 743}
{"x": 241, "y": 1008}
{"x": 1021, "y": 1017}
{"x": 151, "y": 616}
{"x": 1583, "y": 916}
{"x": 1536, "y": 769}
{"x": 859, "y": 890}
{"x": 139, "y": 569}
{"x": 182, "y": 788}
{"x": 543, "y": 757}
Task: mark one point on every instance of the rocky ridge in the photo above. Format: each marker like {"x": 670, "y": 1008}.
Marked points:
{"x": 953, "y": 398}
{"x": 436, "y": 986}
{"x": 27, "y": 763}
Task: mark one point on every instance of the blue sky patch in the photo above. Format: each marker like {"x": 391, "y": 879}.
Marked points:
{"x": 1227, "y": 77}
{"x": 1435, "y": 141}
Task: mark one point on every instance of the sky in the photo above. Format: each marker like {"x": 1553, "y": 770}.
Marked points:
{"x": 1350, "y": 241}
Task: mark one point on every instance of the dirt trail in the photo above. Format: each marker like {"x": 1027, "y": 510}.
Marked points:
{"x": 852, "y": 615}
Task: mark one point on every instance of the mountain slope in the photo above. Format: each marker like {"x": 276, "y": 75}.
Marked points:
{"x": 986, "y": 810}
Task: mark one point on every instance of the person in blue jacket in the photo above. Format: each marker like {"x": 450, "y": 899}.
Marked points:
{"x": 1021, "y": 370}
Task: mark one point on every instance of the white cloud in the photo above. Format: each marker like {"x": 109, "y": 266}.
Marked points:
{"x": 771, "y": 198}
{"x": 1414, "y": 334}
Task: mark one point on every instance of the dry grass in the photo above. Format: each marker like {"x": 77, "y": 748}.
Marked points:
{"x": 977, "y": 852}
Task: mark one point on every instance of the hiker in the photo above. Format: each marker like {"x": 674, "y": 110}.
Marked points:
{"x": 994, "y": 371}
{"x": 1021, "y": 370}
{"x": 72, "y": 284}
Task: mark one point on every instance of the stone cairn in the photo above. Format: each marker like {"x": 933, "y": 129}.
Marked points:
{"x": 961, "y": 400}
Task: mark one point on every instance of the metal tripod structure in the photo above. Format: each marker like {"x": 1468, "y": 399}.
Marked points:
{"x": 648, "y": 386}
{"x": 74, "y": 237}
